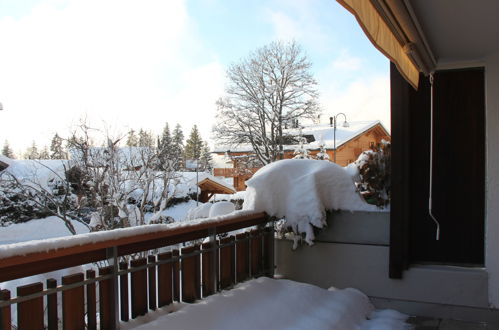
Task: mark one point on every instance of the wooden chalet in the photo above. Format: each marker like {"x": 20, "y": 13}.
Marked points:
{"x": 351, "y": 141}
{"x": 210, "y": 186}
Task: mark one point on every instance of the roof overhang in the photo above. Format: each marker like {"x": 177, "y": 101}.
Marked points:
{"x": 212, "y": 186}
{"x": 3, "y": 165}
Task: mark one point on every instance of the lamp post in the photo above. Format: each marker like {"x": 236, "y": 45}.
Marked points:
{"x": 333, "y": 120}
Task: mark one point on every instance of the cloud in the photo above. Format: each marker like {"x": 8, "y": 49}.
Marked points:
{"x": 346, "y": 62}
{"x": 362, "y": 99}
{"x": 298, "y": 20}
{"x": 130, "y": 63}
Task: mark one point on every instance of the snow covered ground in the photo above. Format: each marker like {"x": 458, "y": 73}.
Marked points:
{"x": 50, "y": 227}
{"x": 53, "y": 227}
{"x": 266, "y": 303}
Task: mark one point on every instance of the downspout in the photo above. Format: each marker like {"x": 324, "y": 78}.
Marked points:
{"x": 430, "y": 195}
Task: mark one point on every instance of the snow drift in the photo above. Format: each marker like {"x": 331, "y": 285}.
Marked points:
{"x": 301, "y": 190}
{"x": 266, "y": 303}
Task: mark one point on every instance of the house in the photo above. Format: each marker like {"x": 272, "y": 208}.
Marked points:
{"x": 4, "y": 162}
{"x": 348, "y": 143}
{"x": 437, "y": 252}
{"x": 207, "y": 183}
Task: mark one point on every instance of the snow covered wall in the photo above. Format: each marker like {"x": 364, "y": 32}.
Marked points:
{"x": 300, "y": 191}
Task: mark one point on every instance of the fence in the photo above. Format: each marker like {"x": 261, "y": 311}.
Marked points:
{"x": 139, "y": 275}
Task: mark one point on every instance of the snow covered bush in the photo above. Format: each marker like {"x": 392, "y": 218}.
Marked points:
{"x": 36, "y": 189}
{"x": 300, "y": 191}
{"x": 374, "y": 179}
{"x": 221, "y": 208}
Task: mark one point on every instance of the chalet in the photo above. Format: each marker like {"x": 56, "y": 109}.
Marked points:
{"x": 207, "y": 183}
{"x": 347, "y": 141}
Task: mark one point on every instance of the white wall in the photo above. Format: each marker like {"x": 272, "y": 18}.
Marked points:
{"x": 492, "y": 175}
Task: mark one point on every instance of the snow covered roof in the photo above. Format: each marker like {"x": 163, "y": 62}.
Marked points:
{"x": 318, "y": 134}
{"x": 127, "y": 155}
{"x": 190, "y": 179}
{"x": 4, "y": 162}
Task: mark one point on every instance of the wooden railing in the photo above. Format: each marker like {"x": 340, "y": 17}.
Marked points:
{"x": 232, "y": 172}
{"x": 136, "y": 274}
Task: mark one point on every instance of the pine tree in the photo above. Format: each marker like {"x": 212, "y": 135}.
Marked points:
{"x": 44, "y": 153}
{"x": 145, "y": 139}
{"x": 322, "y": 154}
{"x": 206, "y": 158}
{"x": 7, "y": 151}
{"x": 32, "y": 152}
{"x": 56, "y": 148}
{"x": 132, "y": 140}
{"x": 301, "y": 151}
{"x": 165, "y": 146}
{"x": 178, "y": 147}
{"x": 193, "y": 145}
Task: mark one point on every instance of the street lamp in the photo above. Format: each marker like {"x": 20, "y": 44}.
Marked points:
{"x": 333, "y": 120}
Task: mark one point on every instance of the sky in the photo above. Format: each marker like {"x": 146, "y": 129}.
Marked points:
{"x": 132, "y": 64}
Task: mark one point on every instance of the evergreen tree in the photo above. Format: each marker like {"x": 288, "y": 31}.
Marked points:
{"x": 7, "y": 151}
{"x": 322, "y": 154}
{"x": 165, "y": 145}
{"x": 178, "y": 146}
{"x": 32, "y": 152}
{"x": 301, "y": 151}
{"x": 193, "y": 145}
{"x": 132, "y": 140}
{"x": 56, "y": 148}
{"x": 206, "y": 160}
{"x": 145, "y": 139}
{"x": 44, "y": 153}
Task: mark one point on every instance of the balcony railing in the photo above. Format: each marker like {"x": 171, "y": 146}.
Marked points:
{"x": 134, "y": 271}
{"x": 233, "y": 172}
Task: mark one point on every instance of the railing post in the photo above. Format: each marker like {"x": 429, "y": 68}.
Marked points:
{"x": 52, "y": 319}
{"x": 112, "y": 257}
{"x": 273, "y": 248}
{"x": 214, "y": 260}
{"x": 250, "y": 260}
{"x": 5, "y": 316}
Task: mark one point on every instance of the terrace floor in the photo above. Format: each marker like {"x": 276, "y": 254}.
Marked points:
{"x": 425, "y": 323}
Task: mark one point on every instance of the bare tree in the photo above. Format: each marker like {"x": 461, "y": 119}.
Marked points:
{"x": 121, "y": 183}
{"x": 269, "y": 88}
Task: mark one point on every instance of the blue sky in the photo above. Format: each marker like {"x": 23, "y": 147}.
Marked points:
{"x": 139, "y": 64}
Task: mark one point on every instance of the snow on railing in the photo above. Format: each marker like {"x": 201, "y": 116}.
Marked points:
{"x": 138, "y": 269}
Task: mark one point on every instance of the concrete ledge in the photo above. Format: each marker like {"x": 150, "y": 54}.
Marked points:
{"x": 365, "y": 267}
{"x": 356, "y": 227}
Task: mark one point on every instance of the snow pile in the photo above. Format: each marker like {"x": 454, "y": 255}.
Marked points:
{"x": 267, "y": 303}
{"x": 301, "y": 190}
{"x": 179, "y": 211}
{"x": 221, "y": 208}
{"x": 199, "y": 212}
{"x": 210, "y": 210}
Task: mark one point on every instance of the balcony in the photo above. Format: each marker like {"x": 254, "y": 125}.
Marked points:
{"x": 130, "y": 272}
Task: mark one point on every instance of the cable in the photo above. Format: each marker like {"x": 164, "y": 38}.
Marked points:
{"x": 430, "y": 195}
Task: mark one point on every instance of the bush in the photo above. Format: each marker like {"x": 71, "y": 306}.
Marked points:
{"x": 374, "y": 182}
